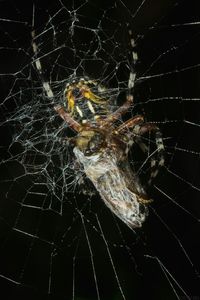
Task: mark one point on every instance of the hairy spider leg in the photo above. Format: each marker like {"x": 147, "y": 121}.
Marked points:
{"x": 59, "y": 109}
{"x": 156, "y": 164}
{"x": 38, "y": 65}
{"x": 119, "y": 112}
{"x": 131, "y": 83}
{"x": 130, "y": 123}
{"x": 140, "y": 128}
{"x": 132, "y": 75}
{"x": 67, "y": 118}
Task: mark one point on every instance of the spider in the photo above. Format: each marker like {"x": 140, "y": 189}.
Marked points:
{"x": 101, "y": 145}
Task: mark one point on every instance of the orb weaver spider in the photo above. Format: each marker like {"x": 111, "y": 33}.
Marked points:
{"x": 101, "y": 145}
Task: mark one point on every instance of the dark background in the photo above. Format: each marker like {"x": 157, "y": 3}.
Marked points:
{"x": 169, "y": 230}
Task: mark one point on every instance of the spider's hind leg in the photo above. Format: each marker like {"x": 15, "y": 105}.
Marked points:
{"x": 134, "y": 129}
{"x": 134, "y": 59}
{"x": 157, "y": 156}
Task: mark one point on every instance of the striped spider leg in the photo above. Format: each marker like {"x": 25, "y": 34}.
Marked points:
{"x": 137, "y": 127}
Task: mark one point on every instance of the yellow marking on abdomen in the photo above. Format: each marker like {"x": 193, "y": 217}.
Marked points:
{"x": 91, "y": 108}
{"x": 79, "y": 111}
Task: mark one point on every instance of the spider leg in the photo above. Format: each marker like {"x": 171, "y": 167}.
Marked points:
{"x": 131, "y": 83}
{"x": 147, "y": 127}
{"x": 130, "y": 124}
{"x": 67, "y": 118}
{"x": 38, "y": 65}
{"x": 138, "y": 129}
{"x": 120, "y": 111}
{"x": 59, "y": 109}
{"x": 132, "y": 76}
{"x": 156, "y": 164}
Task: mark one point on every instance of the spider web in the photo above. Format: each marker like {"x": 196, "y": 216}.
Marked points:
{"x": 58, "y": 240}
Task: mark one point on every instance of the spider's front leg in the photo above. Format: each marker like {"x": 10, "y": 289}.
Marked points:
{"x": 131, "y": 83}
{"x": 131, "y": 123}
{"x": 127, "y": 104}
{"x": 67, "y": 118}
{"x": 120, "y": 111}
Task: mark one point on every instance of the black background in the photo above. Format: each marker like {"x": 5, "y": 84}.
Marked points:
{"x": 155, "y": 239}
